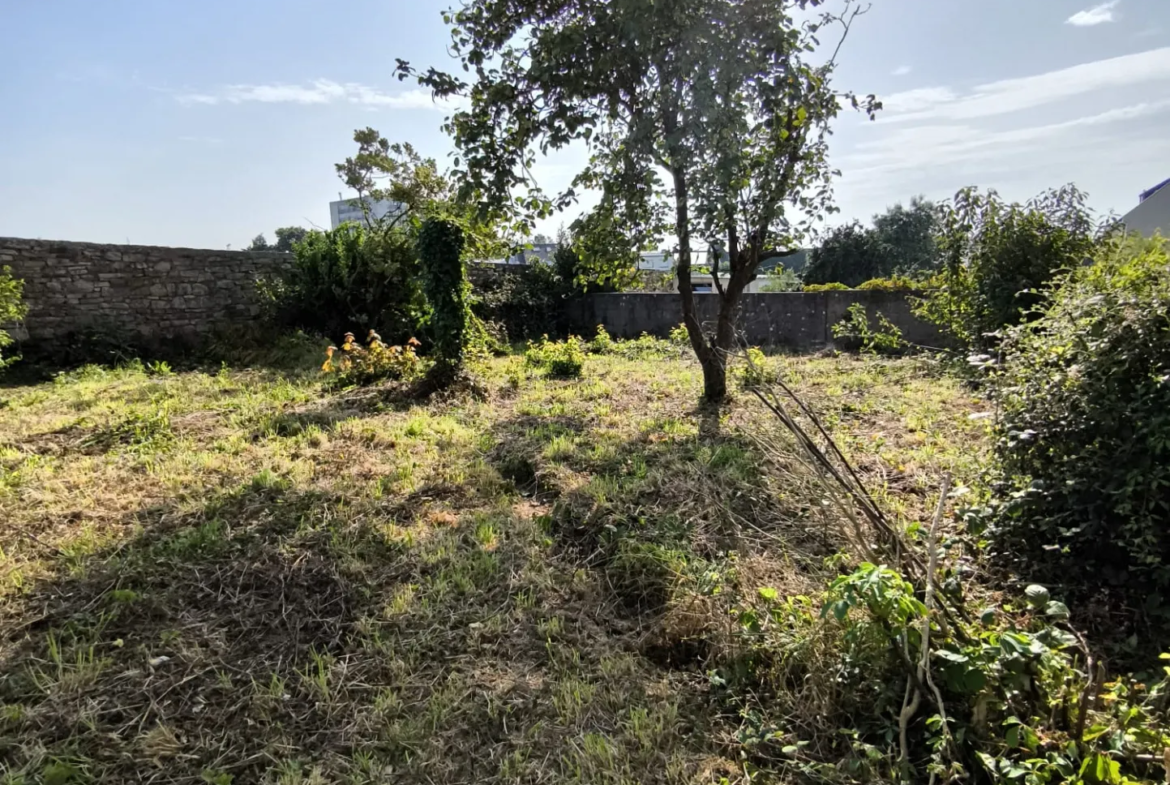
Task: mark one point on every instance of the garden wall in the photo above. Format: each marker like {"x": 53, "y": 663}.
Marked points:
{"x": 797, "y": 320}
{"x": 145, "y": 292}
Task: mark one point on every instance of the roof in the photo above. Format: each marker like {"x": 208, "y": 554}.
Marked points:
{"x": 1147, "y": 194}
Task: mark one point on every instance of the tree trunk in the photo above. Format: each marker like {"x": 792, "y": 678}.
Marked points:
{"x": 710, "y": 358}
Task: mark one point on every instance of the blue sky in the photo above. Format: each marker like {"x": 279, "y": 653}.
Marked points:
{"x": 203, "y": 123}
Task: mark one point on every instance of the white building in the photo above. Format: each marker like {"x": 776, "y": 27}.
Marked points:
{"x": 350, "y": 210}
{"x": 1152, "y": 215}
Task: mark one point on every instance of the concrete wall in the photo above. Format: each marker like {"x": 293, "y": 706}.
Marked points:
{"x": 796, "y": 320}
{"x": 146, "y": 292}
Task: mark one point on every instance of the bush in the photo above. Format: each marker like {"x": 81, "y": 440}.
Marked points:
{"x": 525, "y": 304}
{"x": 602, "y": 343}
{"x": 755, "y": 372}
{"x": 855, "y": 334}
{"x": 12, "y": 309}
{"x": 560, "y": 360}
{"x": 354, "y": 364}
{"x": 999, "y": 257}
{"x": 895, "y": 284}
{"x": 1083, "y": 439}
{"x": 825, "y": 287}
{"x": 350, "y": 279}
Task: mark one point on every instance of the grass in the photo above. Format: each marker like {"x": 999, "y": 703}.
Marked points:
{"x": 237, "y": 577}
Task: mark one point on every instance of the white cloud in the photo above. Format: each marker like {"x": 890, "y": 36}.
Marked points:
{"x": 1012, "y": 95}
{"x": 941, "y": 148}
{"x": 317, "y": 92}
{"x": 902, "y": 70}
{"x": 1097, "y": 15}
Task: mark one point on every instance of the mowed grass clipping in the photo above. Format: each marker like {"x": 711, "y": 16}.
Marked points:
{"x": 238, "y": 577}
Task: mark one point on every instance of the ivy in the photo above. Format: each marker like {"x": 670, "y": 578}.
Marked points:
{"x": 444, "y": 283}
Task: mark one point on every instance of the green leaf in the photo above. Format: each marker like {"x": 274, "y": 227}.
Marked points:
{"x": 768, "y": 593}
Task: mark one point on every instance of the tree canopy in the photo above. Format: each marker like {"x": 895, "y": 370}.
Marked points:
{"x": 902, "y": 241}
{"x": 721, "y": 96}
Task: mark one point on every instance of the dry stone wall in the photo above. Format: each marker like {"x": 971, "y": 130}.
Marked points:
{"x": 149, "y": 293}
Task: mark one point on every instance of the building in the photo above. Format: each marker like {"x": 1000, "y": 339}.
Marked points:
{"x": 543, "y": 252}
{"x": 350, "y": 210}
{"x": 1152, "y": 215}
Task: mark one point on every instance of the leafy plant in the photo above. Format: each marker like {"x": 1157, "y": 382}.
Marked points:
{"x": 1083, "y": 437}
{"x": 602, "y": 343}
{"x": 825, "y": 287}
{"x": 1012, "y": 695}
{"x": 525, "y": 304}
{"x": 559, "y": 359}
{"x": 350, "y": 278}
{"x": 440, "y": 250}
{"x": 12, "y": 309}
{"x": 354, "y": 364}
{"x": 896, "y": 283}
{"x": 854, "y": 331}
{"x": 755, "y": 371}
{"x": 998, "y": 258}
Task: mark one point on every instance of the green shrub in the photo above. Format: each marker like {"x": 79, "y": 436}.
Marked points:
{"x": 350, "y": 279}
{"x": 1083, "y": 439}
{"x": 824, "y": 287}
{"x": 12, "y": 309}
{"x": 755, "y": 371}
{"x": 524, "y": 304}
{"x": 602, "y": 343}
{"x": 558, "y": 359}
{"x": 999, "y": 257}
{"x": 444, "y": 280}
{"x": 855, "y": 334}
{"x": 895, "y": 284}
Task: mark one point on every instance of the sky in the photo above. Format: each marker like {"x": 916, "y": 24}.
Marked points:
{"x": 202, "y": 123}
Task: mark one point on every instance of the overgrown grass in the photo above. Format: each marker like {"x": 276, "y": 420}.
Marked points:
{"x": 237, "y": 576}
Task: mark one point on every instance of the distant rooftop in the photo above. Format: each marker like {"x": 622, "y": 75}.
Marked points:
{"x": 1147, "y": 194}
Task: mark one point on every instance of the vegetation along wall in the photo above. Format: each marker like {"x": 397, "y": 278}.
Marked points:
{"x": 150, "y": 292}
{"x": 798, "y": 320}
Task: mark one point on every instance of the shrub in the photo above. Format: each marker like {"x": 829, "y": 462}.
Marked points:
{"x": 999, "y": 257}
{"x": 560, "y": 360}
{"x": 354, "y": 364}
{"x": 440, "y": 251}
{"x": 524, "y": 304}
{"x": 1083, "y": 439}
{"x": 854, "y": 333}
{"x": 755, "y": 371}
{"x": 895, "y": 284}
{"x": 348, "y": 279}
{"x": 12, "y": 309}
{"x": 824, "y": 287}
{"x": 602, "y": 343}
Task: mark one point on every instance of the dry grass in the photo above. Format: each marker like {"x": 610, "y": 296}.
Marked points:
{"x": 235, "y": 577}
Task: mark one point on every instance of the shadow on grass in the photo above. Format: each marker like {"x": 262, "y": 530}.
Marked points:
{"x": 273, "y": 631}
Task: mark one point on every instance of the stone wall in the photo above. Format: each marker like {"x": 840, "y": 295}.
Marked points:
{"x": 148, "y": 293}
{"x": 797, "y": 320}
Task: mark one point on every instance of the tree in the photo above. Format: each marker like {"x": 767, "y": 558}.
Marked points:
{"x": 902, "y": 241}
{"x": 849, "y": 254}
{"x": 397, "y": 173}
{"x": 259, "y": 243}
{"x": 718, "y": 94}
{"x": 998, "y": 258}
{"x": 287, "y": 238}
{"x": 541, "y": 239}
{"x": 907, "y": 235}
